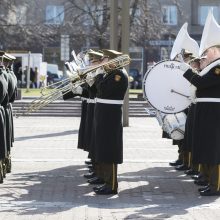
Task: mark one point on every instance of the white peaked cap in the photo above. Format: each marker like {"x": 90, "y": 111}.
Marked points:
{"x": 211, "y": 33}
{"x": 184, "y": 41}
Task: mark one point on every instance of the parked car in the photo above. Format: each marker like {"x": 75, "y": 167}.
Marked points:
{"x": 136, "y": 83}
{"x": 53, "y": 73}
{"x": 53, "y": 78}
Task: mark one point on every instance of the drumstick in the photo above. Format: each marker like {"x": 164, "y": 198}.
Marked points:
{"x": 179, "y": 93}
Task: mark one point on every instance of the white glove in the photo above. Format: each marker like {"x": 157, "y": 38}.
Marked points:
{"x": 90, "y": 78}
{"x": 192, "y": 93}
{"x": 77, "y": 90}
{"x": 184, "y": 67}
{"x": 100, "y": 70}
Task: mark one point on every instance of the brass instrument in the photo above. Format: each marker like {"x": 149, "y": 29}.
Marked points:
{"x": 57, "y": 90}
{"x": 116, "y": 63}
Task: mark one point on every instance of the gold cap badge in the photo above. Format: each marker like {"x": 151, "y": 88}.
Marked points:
{"x": 117, "y": 78}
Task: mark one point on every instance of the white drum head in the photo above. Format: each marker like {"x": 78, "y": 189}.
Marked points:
{"x": 165, "y": 88}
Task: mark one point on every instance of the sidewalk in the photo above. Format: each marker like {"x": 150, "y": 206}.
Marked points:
{"x": 46, "y": 180}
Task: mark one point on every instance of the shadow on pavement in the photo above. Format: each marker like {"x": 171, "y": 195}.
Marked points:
{"x": 57, "y": 134}
{"x": 156, "y": 191}
{"x": 164, "y": 192}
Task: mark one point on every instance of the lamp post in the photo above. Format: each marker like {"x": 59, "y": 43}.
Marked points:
{"x": 114, "y": 25}
{"x": 125, "y": 49}
{"x": 124, "y": 43}
{"x": 28, "y": 71}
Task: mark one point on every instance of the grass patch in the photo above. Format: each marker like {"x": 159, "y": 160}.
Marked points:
{"x": 135, "y": 91}
{"x": 30, "y": 92}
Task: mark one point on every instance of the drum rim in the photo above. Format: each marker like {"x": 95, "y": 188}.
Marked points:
{"x": 143, "y": 85}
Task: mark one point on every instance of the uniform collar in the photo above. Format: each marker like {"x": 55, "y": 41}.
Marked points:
{"x": 209, "y": 67}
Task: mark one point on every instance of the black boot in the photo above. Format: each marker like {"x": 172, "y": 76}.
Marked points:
{"x": 106, "y": 190}
{"x": 181, "y": 167}
{"x": 88, "y": 162}
{"x": 176, "y": 163}
{"x": 1, "y": 172}
{"x": 201, "y": 182}
{"x": 95, "y": 180}
{"x": 89, "y": 175}
{"x": 191, "y": 172}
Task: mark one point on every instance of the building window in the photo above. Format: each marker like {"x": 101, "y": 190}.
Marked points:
{"x": 54, "y": 14}
{"x": 169, "y": 14}
{"x": 203, "y": 12}
{"x": 164, "y": 53}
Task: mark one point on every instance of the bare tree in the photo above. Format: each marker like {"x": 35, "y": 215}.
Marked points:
{"x": 147, "y": 24}
{"x": 93, "y": 19}
{"x": 86, "y": 22}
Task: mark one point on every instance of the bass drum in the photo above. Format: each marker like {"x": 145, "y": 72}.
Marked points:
{"x": 165, "y": 88}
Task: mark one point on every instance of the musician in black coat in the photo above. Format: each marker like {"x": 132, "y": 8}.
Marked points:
{"x": 111, "y": 89}
{"x": 182, "y": 163}
{"x": 3, "y": 101}
{"x": 87, "y": 94}
{"x": 12, "y": 91}
{"x": 81, "y": 91}
{"x": 95, "y": 59}
{"x": 206, "y": 138}
{"x": 188, "y": 136}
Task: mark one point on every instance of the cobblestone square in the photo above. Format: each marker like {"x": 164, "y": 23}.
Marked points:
{"x": 47, "y": 183}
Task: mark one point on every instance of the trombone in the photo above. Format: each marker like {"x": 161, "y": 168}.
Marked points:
{"x": 75, "y": 79}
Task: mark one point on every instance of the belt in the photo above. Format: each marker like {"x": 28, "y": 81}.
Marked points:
{"x": 110, "y": 101}
{"x": 207, "y": 100}
{"x": 84, "y": 99}
{"x": 91, "y": 101}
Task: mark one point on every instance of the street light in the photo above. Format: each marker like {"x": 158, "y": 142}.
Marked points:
{"x": 125, "y": 49}
{"x": 124, "y": 43}
{"x": 28, "y": 71}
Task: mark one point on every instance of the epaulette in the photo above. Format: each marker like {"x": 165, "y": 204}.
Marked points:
{"x": 117, "y": 78}
{"x": 217, "y": 70}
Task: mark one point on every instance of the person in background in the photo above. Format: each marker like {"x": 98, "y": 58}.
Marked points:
{"x": 36, "y": 73}
{"x": 24, "y": 76}
{"x": 32, "y": 77}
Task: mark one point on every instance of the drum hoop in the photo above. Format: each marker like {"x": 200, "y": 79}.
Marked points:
{"x": 143, "y": 85}
{"x": 146, "y": 74}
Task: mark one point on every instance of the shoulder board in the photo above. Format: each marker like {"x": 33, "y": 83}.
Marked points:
{"x": 217, "y": 70}
{"x": 117, "y": 78}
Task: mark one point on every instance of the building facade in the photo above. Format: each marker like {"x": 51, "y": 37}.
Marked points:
{"x": 58, "y": 26}
{"x": 173, "y": 17}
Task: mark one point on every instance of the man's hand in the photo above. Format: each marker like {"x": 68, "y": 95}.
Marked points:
{"x": 77, "y": 90}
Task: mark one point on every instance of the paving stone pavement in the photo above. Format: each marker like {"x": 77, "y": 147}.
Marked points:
{"x": 47, "y": 183}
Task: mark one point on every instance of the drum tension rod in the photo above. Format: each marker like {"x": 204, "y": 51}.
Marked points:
{"x": 172, "y": 90}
